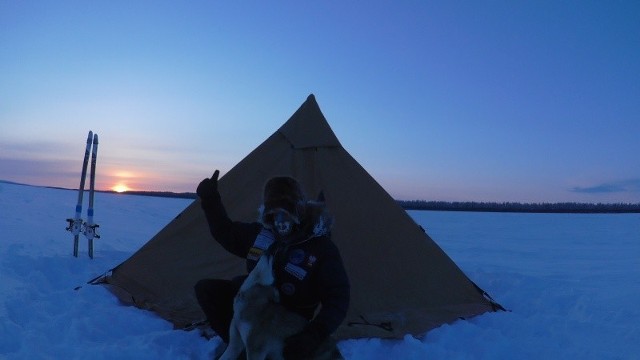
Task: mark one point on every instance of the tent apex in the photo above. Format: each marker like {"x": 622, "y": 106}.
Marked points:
{"x": 308, "y": 128}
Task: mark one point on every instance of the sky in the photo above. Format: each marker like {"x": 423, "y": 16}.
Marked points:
{"x": 526, "y": 101}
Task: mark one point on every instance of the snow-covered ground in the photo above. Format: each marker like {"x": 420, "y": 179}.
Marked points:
{"x": 572, "y": 283}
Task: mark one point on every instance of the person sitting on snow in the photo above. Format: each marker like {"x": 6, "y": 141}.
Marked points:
{"x": 308, "y": 269}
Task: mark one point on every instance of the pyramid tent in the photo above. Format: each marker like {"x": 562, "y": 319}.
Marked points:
{"x": 401, "y": 281}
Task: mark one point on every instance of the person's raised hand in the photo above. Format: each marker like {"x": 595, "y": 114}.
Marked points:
{"x": 208, "y": 188}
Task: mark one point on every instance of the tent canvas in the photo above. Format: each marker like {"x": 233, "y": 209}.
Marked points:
{"x": 401, "y": 280}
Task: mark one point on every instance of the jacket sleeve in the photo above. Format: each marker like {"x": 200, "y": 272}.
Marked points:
{"x": 235, "y": 237}
{"x": 334, "y": 290}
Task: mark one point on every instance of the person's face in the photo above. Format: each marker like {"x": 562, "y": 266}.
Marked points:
{"x": 283, "y": 222}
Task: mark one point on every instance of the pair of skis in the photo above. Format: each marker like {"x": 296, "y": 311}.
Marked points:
{"x": 76, "y": 224}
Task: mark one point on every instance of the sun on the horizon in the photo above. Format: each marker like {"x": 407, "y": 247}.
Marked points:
{"x": 120, "y": 188}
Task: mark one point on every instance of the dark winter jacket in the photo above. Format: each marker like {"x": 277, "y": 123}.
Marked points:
{"x": 308, "y": 270}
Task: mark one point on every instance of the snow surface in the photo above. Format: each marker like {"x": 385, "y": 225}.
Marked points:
{"x": 572, "y": 283}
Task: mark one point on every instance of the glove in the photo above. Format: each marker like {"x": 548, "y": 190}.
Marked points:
{"x": 303, "y": 344}
{"x": 208, "y": 188}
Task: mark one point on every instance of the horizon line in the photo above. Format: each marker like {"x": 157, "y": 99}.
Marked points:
{"x": 189, "y": 195}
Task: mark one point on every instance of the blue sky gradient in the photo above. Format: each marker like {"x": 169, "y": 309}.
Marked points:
{"x": 531, "y": 101}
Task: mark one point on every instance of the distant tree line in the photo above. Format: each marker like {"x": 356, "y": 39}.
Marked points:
{"x": 169, "y": 194}
{"x": 562, "y": 207}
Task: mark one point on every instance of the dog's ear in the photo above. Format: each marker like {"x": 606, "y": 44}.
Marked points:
{"x": 270, "y": 262}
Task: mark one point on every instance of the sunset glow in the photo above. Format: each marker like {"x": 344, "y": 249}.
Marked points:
{"x": 120, "y": 188}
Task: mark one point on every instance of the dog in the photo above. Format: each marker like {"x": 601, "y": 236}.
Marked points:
{"x": 260, "y": 324}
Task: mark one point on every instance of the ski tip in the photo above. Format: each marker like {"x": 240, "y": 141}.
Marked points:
{"x": 95, "y": 138}
{"x": 90, "y": 136}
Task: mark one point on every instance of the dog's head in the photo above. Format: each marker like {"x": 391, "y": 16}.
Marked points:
{"x": 262, "y": 273}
